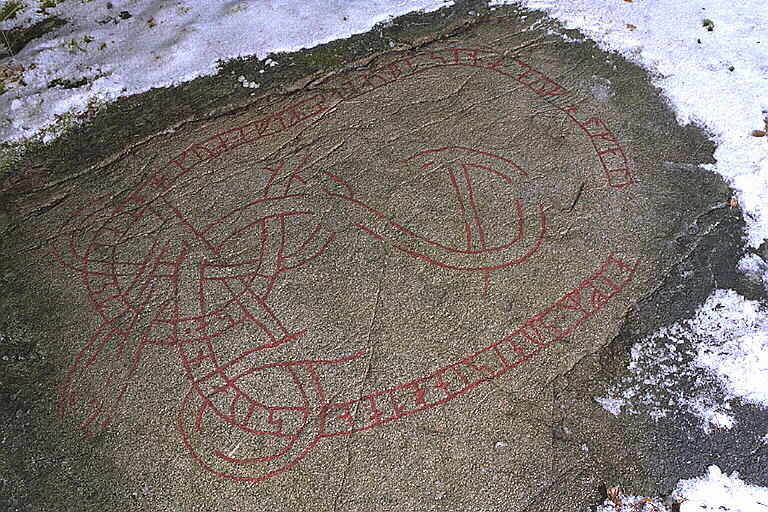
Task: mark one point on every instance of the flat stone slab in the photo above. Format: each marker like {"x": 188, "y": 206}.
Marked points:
{"x": 357, "y": 296}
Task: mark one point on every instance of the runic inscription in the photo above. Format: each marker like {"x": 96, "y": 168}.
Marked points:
{"x": 184, "y": 288}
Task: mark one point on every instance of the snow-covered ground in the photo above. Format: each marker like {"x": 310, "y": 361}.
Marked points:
{"x": 122, "y": 47}
{"x": 709, "y": 58}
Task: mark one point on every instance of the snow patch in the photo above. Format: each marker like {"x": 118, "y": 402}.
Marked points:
{"x": 714, "y": 491}
{"x": 697, "y": 69}
{"x": 718, "y": 491}
{"x": 612, "y": 405}
{"x": 699, "y": 365}
{"x": 731, "y": 336}
{"x": 755, "y": 268}
{"x": 109, "y": 49}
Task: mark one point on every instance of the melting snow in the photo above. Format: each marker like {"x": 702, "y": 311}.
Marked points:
{"x": 701, "y": 365}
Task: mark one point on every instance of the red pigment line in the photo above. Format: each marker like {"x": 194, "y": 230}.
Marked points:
{"x": 188, "y": 224}
{"x": 273, "y": 172}
{"x": 296, "y": 174}
{"x": 369, "y": 231}
{"x": 496, "y": 173}
{"x": 67, "y": 396}
{"x": 343, "y": 183}
{"x": 477, "y": 152}
{"x": 281, "y": 245}
{"x": 139, "y": 280}
{"x": 463, "y": 211}
{"x": 456, "y": 53}
{"x": 265, "y": 307}
{"x": 399, "y": 227}
{"x": 202, "y": 462}
{"x": 317, "y": 254}
{"x": 239, "y": 359}
{"x": 107, "y": 283}
{"x": 207, "y": 347}
{"x": 90, "y": 419}
{"x": 536, "y": 81}
{"x": 199, "y": 416}
{"x": 252, "y": 318}
{"x": 102, "y": 343}
{"x": 309, "y": 239}
{"x": 607, "y": 136}
{"x": 505, "y": 264}
{"x": 475, "y": 62}
{"x": 253, "y": 222}
{"x": 306, "y": 241}
{"x": 200, "y": 357}
{"x": 200, "y": 283}
{"x": 521, "y": 223}
{"x": 233, "y": 406}
{"x": 473, "y": 206}
{"x": 249, "y": 414}
{"x": 539, "y": 343}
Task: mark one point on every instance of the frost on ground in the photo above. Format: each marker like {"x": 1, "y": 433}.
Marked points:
{"x": 701, "y": 365}
{"x": 713, "y": 492}
{"x": 108, "y": 49}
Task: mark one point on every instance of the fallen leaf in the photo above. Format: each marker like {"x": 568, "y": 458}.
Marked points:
{"x": 734, "y": 202}
{"x": 631, "y": 27}
{"x": 614, "y": 494}
{"x": 758, "y": 133}
{"x": 11, "y": 72}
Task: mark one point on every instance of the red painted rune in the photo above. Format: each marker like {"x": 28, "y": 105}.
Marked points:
{"x": 161, "y": 275}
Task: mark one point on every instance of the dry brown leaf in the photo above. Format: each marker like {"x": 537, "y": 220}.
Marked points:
{"x": 758, "y": 133}
{"x": 614, "y": 495}
{"x": 631, "y": 27}
{"x": 11, "y": 72}
{"x": 734, "y": 202}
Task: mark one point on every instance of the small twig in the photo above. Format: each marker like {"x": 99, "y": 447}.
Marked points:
{"x": 13, "y": 12}
{"x": 7, "y": 44}
{"x": 576, "y": 199}
{"x": 10, "y": 15}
